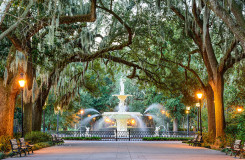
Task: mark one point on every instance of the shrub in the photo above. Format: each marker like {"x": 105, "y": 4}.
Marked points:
{"x": 4, "y": 143}
{"x": 208, "y": 139}
{"x": 82, "y": 138}
{"x": 17, "y": 135}
{"x": 37, "y": 136}
{"x": 166, "y": 139}
{"x": 2, "y": 155}
{"x": 42, "y": 145}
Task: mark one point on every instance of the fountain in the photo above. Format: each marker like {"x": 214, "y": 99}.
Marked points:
{"x": 122, "y": 116}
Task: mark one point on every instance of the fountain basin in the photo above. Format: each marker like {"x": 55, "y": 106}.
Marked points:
{"x": 121, "y": 115}
{"x": 122, "y": 97}
{"x": 121, "y": 118}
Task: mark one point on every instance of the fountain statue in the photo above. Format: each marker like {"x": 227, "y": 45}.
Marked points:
{"x": 157, "y": 131}
{"x": 122, "y": 116}
{"x": 87, "y": 132}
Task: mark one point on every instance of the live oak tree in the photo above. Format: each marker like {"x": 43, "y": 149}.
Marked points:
{"x": 201, "y": 26}
{"x": 21, "y": 50}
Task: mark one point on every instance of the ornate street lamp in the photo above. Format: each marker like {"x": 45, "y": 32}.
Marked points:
{"x": 199, "y": 96}
{"x": 187, "y": 112}
{"x": 45, "y": 105}
{"x": 22, "y": 85}
{"x": 82, "y": 111}
{"x": 57, "y": 128}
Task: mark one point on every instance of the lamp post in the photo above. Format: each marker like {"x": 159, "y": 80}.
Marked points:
{"x": 44, "y": 117}
{"x": 22, "y": 85}
{"x": 197, "y": 105}
{"x": 82, "y": 112}
{"x": 187, "y": 112}
{"x": 163, "y": 113}
{"x": 199, "y": 96}
{"x": 57, "y": 128}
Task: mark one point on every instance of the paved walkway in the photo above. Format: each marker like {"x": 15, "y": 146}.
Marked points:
{"x": 102, "y": 150}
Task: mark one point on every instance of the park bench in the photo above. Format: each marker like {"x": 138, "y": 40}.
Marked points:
{"x": 16, "y": 149}
{"x": 25, "y": 144}
{"x": 57, "y": 140}
{"x": 236, "y": 148}
{"x": 233, "y": 148}
{"x": 191, "y": 142}
{"x": 198, "y": 141}
{"x": 242, "y": 152}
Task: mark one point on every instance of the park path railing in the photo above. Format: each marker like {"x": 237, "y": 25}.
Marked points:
{"x": 123, "y": 135}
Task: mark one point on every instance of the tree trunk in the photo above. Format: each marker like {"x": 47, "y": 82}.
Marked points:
{"x": 8, "y": 96}
{"x": 175, "y": 125}
{"x": 37, "y": 116}
{"x": 38, "y": 108}
{"x": 218, "y": 88}
{"x": 27, "y": 118}
{"x": 7, "y": 105}
{"x": 211, "y": 111}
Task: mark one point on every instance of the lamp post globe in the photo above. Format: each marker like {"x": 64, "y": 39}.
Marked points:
{"x": 239, "y": 109}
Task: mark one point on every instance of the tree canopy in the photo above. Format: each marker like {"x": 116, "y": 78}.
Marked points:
{"x": 74, "y": 51}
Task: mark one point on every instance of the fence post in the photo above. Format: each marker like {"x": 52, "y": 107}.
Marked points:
{"x": 116, "y": 134}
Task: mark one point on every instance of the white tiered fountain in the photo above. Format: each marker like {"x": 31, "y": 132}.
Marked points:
{"x": 122, "y": 116}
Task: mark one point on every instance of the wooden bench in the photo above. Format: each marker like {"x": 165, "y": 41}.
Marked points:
{"x": 233, "y": 148}
{"x": 236, "y": 148}
{"x": 57, "y": 140}
{"x": 27, "y": 145}
{"x": 242, "y": 151}
{"x": 198, "y": 141}
{"x": 191, "y": 142}
{"x": 16, "y": 149}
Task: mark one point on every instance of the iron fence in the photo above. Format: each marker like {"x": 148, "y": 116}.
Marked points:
{"x": 124, "y": 135}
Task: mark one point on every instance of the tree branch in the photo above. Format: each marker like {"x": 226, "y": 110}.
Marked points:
{"x": 11, "y": 28}
{"x": 5, "y": 11}
{"x": 238, "y": 30}
{"x": 187, "y": 68}
{"x": 227, "y": 55}
{"x": 91, "y": 17}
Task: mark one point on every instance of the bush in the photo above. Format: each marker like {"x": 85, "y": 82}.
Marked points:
{"x": 208, "y": 139}
{"x": 37, "y": 136}
{"x": 81, "y": 138}
{"x": 166, "y": 139}
{"x": 42, "y": 145}
{"x": 4, "y": 143}
{"x": 2, "y": 155}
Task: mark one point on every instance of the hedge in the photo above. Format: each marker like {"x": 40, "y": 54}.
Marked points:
{"x": 81, "y": 138}
{"x": 166, "y": 139}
